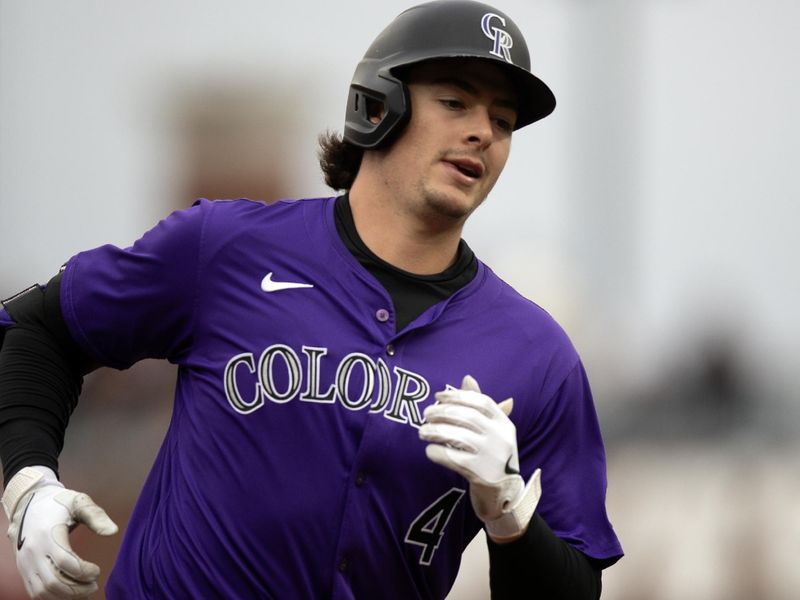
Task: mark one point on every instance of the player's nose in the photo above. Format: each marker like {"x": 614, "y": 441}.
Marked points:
{"x": 479, "y": 131}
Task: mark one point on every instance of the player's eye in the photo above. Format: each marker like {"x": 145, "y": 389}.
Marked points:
{"x": 451, "y": 103}
{"x": 504, "y": 124}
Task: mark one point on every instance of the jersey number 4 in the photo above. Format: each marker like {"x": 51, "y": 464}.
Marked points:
{"x": 428, "y": 528}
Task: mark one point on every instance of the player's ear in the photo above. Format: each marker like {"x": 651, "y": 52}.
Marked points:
{"x": 375, "y": 110}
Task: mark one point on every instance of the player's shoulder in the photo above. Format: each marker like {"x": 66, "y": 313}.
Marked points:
{"x": 249, "y": 208}
{"x": 524, "y": 315}
{"x": 508, "y": 298}
{"x": 244, "y": 214}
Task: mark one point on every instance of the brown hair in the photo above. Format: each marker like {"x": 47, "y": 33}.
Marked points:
{"x": 339, "y": 160}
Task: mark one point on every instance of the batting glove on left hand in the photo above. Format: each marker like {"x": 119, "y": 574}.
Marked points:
{"x": 472, "y": 435}
{"x": 41, "y": 513}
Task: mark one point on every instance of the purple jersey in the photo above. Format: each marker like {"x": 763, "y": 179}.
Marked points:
{"x": 292, "y": 466}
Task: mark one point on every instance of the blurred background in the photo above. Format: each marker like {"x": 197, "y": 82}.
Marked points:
{"x": 654, "y": 214}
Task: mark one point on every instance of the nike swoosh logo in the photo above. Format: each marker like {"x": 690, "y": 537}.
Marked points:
{"x": 509, "y": 469}
{"x": 269, "y": 285}
{"x": 20, "y": 539}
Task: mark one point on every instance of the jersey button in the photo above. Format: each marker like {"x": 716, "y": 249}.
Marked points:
{"x": 343, "y": 565}
{"x": 390, "y": 349}
{"x": 360, "y": 479}
{"x": 382, "y": 315}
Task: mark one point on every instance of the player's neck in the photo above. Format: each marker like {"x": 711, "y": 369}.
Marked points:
{"x": 400, "y": 237}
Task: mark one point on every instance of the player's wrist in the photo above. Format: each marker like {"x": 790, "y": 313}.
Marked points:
{"x": 515, "y": 518}
{"x": 25, "y": 480}
{"x": 491, "y": 500}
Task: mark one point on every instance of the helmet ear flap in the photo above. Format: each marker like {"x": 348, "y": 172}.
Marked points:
{"x": 376, "y": 113}
{"x": 367, "y": 106}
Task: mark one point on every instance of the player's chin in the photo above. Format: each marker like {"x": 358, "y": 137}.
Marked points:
{"x": 452, "y": 210}
{"x": 455, "y": 203}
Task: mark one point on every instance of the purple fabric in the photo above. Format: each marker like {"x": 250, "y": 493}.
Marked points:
{"x": 292, "y": 466}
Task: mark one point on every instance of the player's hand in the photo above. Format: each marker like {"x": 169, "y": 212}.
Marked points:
{"x": 471, "y": 434}
{"x": 41, "y": 513}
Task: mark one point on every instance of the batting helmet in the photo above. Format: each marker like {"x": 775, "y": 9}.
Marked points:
{"x": 439, "y": 29}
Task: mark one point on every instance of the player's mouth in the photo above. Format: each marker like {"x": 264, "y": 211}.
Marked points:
{"x": 468, "y": 170}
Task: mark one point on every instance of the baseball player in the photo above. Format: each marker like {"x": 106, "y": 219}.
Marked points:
{"x": 358, "y": 395}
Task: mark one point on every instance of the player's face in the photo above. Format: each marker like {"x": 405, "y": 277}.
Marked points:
{"x": 456, "y": 143}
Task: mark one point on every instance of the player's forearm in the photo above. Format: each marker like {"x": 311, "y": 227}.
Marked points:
{"x": 41, "y": 374}
{"x": 38, "y": 390}
{"x": 542, "y": 563}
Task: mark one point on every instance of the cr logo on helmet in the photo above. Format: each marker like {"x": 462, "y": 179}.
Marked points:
{"x": 503, "y": 42}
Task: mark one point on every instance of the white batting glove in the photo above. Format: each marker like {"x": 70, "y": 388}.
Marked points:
{"x": 41, "y": 513}
{"x": 472, "y": 435}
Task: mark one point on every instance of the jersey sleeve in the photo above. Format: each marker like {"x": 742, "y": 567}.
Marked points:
{"x": 566, "y": 443}
{"x": 122, "y": 305}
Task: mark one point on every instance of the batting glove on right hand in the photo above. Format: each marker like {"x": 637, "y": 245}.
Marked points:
{"x": 471, "y": 434}
{"x": 41, "y": 513}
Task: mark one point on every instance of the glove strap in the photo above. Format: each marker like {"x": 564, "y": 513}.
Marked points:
{"x": 22, "y": 482}
{"x": 513, "y": 523}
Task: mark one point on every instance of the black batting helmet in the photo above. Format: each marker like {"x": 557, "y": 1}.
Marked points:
{"x": 439, "y": 29}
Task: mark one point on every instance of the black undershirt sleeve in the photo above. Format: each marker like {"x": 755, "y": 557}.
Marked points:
{"x": 543, "y": 566}
{"x": 41, "y": 374}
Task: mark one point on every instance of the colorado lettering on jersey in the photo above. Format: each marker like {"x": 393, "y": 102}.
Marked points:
{"x": 359, "y": 383}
